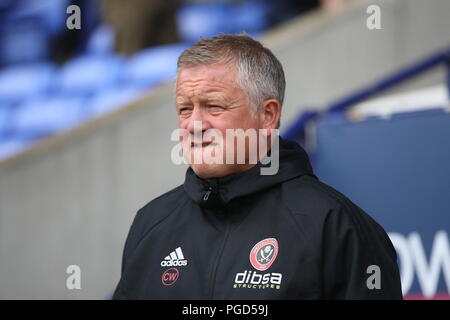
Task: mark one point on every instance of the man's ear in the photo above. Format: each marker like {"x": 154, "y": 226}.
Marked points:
{"x": 270, "y": 114}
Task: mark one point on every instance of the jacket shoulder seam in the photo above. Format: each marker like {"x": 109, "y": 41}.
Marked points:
{"x": 342, "y": 201}
{"x": 141, "y": 212}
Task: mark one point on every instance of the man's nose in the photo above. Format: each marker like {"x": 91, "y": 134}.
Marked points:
{"x": 198, "y": 122}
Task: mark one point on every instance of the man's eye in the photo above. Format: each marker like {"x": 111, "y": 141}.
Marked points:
{"x": 213, "y": 106}
{"x": 184, "y": 110}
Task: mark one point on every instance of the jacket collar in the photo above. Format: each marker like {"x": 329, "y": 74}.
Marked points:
{"x": 219, "y": 192}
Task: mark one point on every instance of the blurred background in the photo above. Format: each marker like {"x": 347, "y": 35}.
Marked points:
{"x": 87, "y": 112}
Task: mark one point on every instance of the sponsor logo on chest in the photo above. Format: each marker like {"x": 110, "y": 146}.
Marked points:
{"x": 262, "y": 256}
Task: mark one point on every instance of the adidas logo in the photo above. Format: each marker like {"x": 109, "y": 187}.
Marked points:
{"x": 174, "y": 259}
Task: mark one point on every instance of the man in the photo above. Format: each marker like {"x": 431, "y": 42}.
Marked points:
{"x": 231, "y": 232}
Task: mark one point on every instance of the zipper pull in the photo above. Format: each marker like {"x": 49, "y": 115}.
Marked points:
{"x": 206, "y": 196}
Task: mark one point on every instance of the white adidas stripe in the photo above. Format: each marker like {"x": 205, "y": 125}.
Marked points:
{"x": 175, "y": 259}
{"x": 179, "y": 253}
{"x": 175, "y": 255}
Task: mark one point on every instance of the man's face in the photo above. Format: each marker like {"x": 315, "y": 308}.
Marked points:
{"x": 210, "y": 94}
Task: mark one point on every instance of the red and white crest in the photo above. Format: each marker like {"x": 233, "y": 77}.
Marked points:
{"x": 264, "y": 254}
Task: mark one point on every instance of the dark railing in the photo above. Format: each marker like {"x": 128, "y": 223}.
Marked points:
{"x": 296, "y": 130}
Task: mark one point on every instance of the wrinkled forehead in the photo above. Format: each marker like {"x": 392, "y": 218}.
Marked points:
{"x": 211, "y": 81}
{"x": 214, "y": 70}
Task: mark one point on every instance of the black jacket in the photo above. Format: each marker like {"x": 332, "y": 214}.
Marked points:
{"x": 252, "y": 236}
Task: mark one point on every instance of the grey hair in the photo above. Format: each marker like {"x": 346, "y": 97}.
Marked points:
{"x": 260, "y": 74}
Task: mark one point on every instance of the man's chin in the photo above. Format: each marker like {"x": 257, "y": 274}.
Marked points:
{"x": 209, "y": 171}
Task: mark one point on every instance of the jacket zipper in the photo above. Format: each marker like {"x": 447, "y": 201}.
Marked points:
{"x": 212, "y": 279}
{"x": 207, "y": 194}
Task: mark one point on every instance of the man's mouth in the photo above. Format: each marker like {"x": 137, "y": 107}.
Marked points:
{"x": 202, "y": 144}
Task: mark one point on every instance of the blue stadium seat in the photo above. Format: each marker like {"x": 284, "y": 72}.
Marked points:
{"x": 22, "y": 81}
{"x": 51, "y": 13}
{"x": 204, "y": 20}
{"x": 153, "y": 66}
{"x": 101, "y": 41}
{"x": 197, "y": 21}
{"x": 89, "y": 73}
{"x": 111, "y": 99}
{"x": 27, "y": 28}
{"x": 251, "y": 17}
{"x": 48, "y": 115}
{"x": 23, "y": 41}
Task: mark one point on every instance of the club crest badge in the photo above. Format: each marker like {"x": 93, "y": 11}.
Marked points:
{"x": 264, "y": 254}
